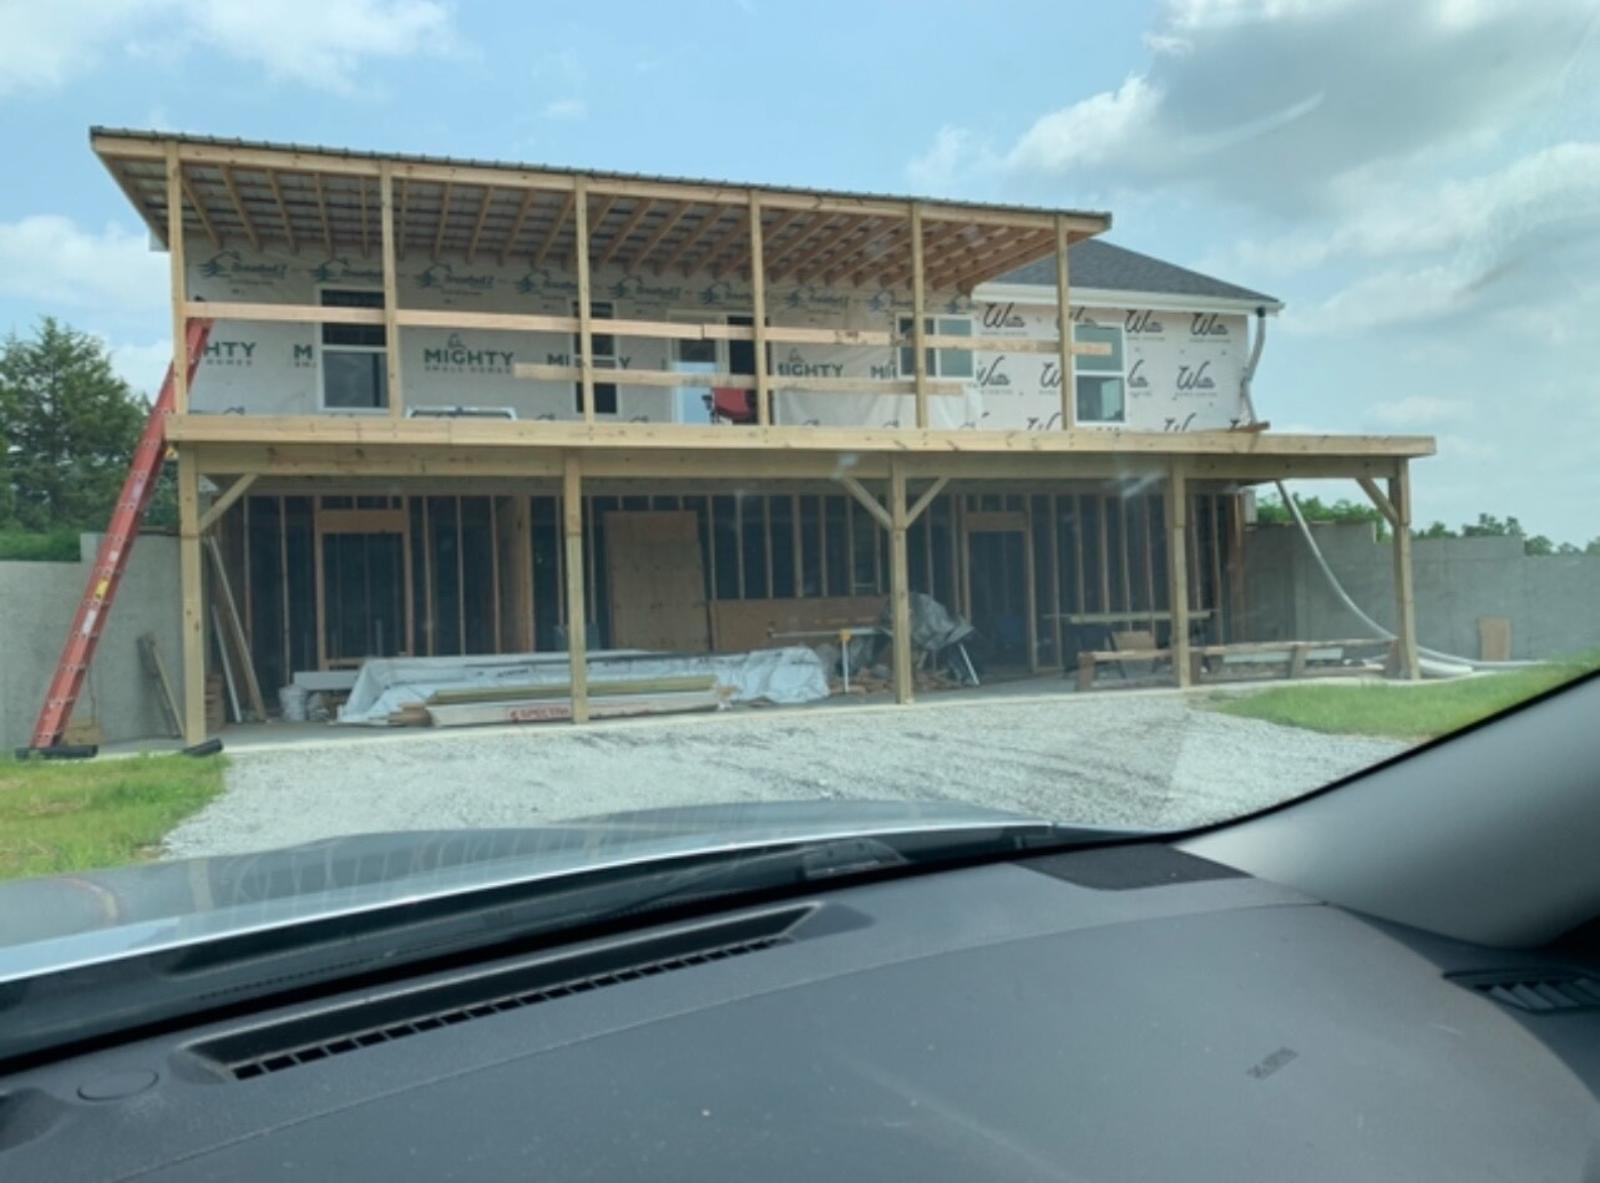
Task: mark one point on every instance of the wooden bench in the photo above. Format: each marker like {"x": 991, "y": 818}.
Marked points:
{"x": 1300, "y": 659}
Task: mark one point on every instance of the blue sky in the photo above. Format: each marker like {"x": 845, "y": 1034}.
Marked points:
{"x": 1419, "y": 181}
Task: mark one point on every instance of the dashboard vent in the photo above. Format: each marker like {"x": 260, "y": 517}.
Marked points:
{"x": 1537, "y": 991}
{"x": 305, "y": 1039}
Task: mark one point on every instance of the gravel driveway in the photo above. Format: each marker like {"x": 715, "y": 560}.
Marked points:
{"x": 1136, "y": 760}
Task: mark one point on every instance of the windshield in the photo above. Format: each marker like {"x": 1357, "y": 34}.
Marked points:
{"x": 407, "y": 429}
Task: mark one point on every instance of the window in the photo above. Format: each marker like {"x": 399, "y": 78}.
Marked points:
{"x": 354, "y": 362}
{"x": 1101, "y": 396}
{"x": 942, "y": 363}
{"x": 605, "y": 358}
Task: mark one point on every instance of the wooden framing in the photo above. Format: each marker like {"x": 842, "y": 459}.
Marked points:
{"x": 1069, "y": 382}
{"x": 1404, "y": 594}
{"x": 560, "y": 220}
{"x": 179, "y": 281}
{"x": 899, "y": 584}
{"x": 572, "y": 532}
{"x": 190, "y": 580}
{"x": 919, "y": 314}
{"x": 580, "y": 213}
{"x": 391, "y": 295}
{"x": 1177, "y": 570}
{"x": 758, "y": 314}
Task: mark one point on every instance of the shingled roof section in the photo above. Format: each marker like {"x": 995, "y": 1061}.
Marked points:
{"x": 1098, "y": 265}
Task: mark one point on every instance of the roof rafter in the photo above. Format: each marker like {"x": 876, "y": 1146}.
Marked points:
{"x": 841, "y": 247}
{"x": 783, "y": 222}
{"x": 444, "y": 220}
{"x": 646, "y": 204}
{"x": 787, "y": 259}
{"x": 942, "y": 245}
{"x": 668, "y": 225}
{"x": 690, "y": 240}
{"x": 322, "y": 212}
{"x": 200, "y": 210}
{"x": 741, "y": 225}
{"x": 477, "y": 227}
{"x": 401, "y": 196}
{"x": 1036, "y": 247}
{"x": 516, "y": 223}
{"x": 232, "y": 186}
{"x": 283, "y": 212}
{"x": 361, "y": 190}
{"x": 555, "y": 229}
{"x": 871, "y": 251}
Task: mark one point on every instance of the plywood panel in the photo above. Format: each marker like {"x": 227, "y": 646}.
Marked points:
{"x": 742, "y": 625}
{"x": 656, "y": 583}
{"x": 1494, "y": 638}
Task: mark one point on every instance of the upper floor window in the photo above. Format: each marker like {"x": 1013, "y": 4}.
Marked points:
{"x": 605, "y": 358}
{"x": 1101, "y": 392}
{"x": 942, "y": 363}
{"x": 354, "y": 357}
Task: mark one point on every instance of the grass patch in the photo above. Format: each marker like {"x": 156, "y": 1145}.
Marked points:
{"x": 75, "y": 815}
{"x": 1399, "y": 712}
{"x": 36, "y": 546}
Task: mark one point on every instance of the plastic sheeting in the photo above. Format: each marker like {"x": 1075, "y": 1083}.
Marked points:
{"x": 385, "y": 685}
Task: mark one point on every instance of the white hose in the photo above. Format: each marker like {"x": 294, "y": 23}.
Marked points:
{"x": 1344, "y": 598}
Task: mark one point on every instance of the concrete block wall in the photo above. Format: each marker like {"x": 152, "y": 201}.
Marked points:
{"x": 1553, "y": 602}
{"x": 37, "y": 601}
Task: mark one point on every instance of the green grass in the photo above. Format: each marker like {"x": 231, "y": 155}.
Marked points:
{"x": 48, "y": 546}
{"x": 74, "y": 815}
{"x": 1399, "y": 712}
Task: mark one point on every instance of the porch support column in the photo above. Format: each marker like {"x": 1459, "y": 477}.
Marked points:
{"x": 1178, "y": 569}
{"x": 580, "y": 225}
{"x": 193, "y": 635}
{"x": 1069, "y": 383}
{"x": 1030, "y": 589}
{"x": 391, "y": 292}
{"x": 758, "y": 312}
{"x": 179, "y": 284}
{"x": 900, "y": 583}
{"x": 572, "y": 528}
{"x": 919, "y": 298}
{"x": 1405, "y": 601}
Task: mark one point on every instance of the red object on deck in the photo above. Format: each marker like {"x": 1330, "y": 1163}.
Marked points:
{"x": 733, "y": 404}
{"x": 112, "y": 560}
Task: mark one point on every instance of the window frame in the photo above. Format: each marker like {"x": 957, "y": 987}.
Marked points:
{"x": 322, "y": 348}
{"x": 1084, "y": 367}
{"x": 904, "y": 323}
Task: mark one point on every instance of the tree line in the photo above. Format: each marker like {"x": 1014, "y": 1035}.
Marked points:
{"x": 1270, "y": 510}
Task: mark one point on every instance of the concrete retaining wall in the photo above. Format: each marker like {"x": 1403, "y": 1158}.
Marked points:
{"x": 1553, "y": 602}
{"x": 37, "y": 601}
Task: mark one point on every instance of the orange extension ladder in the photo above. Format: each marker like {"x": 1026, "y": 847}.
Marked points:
{"x": 112, "y": 559}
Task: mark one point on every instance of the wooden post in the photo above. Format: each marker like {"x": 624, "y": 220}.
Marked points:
{"x": 189, "y": 576}
{"x": 1178, "y": 570}
{"x": 919, "y": 297}
{"x": 580, "y": 220}
{"x": 1236, "y": 590}
{"x": 966, "y": 563}
{"x": 955, "y": 553}
{"x": 1069, "y": 406}
{"x": 758, "y": 313}
{"x": 391, "y": 292}
{"x": 1055, "y": 580}
{"x": 180, "y": 289}
{"x": 899, "y": 583}
{"x": 572, "y": 528}
{"x": 1405, "y": 600}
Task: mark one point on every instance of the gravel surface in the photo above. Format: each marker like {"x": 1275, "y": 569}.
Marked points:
{"x": 1108, "y": 759}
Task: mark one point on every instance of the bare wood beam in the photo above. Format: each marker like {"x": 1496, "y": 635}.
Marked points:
{"x": 621, "y": 237}
{"x": 477, "y": 226}
{"x": 361, "y": 191}
{"x": 444, "y": 220}
{"x": 232, "y": 186}
{"x": 868, "y": 502}
{"x": 795, "y": 251}
{"x": 932, "y": 240}
{"x": 848, "y": 239}
{"x": 391, "y": 294}
{"x": 961, "y": 255}
{"x": 723, "y": 241}
{"x": 400, "y": 224}
{"x": 1069, "y": 382}
{"x": 758, "y": 318}
{"x": 690, "y": 240}
{"x": 919, "y": 312}
{"x": 283, "y": 212}
{"x": 580, "y": 249}
{"x": 225, "y": 500}
{"x": 778, "y": 226}
{"x": 926, "y": 499}
{"x": 178, "y": 275}
{"x": 598, "y": 220}
{"x": 200, "y": 212}
{"x": 865, "y": 251}
{"x": 191, "y": 589}
{"x": 1383, "y": 504}
{"x": 1177, "y": 570}
{"x": 555, "y": 228}
{"x": 572, "y": 532}
{"x": 1405, "y": 598}
{"x": 1031, "y": 249}
{"x": 322, "y": 213}
{"x": 668, "y": 225}
{"x": 899, "y": 583}
{"x": 516, "y": 223}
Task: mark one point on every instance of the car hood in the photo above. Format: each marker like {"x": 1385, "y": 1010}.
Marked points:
{"x": 64, "y": 920}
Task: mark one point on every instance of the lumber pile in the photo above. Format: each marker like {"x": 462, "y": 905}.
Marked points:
{"x": 552, "y": 701}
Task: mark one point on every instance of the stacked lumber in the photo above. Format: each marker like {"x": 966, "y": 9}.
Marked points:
{"x": 552, "y": 702}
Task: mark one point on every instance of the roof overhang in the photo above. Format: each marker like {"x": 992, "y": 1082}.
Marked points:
{"x": 1045, "y": 294}
{"x": 312, "y": 199}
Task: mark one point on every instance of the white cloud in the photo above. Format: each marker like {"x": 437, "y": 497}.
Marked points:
{"x": 1113, "y": 127}
{"x": 1419, "y": 410}
{"x": 944, "y": 164}
{"x": 322, "y": 43}
{"x": 565, "y": 109}
{"x": 50, "y": 260}
{"x": 142, "y": 366}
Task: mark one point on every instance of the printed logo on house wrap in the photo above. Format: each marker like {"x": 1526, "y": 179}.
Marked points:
{"x": 303, "y": 357}
{"x": 1138, "y": 380}
{"x": 1208, "y": 326}
{"x": 241, "y": 274}
{"x": 796, "y": 365}
{"x": 446, "y": 280}
{"x": 723, "y": 294}
{"x": 543, "y": 282}
{"x": 1143, "y": 323}
{"x": 634, "y": 287}
{"x": 810, "y": 298}
{"x": 342, "y": 270}
{"x": 1002, "y": 319}
{"x": 1194, "y": 379}
{"x": 456, "y": 357}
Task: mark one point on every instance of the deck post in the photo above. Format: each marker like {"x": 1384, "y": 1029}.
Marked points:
{"x": 193, "y": 642}
{"x": 758, "y": 315}
{"x": 577, "y": 639}
{"x": 1055, "y": 581}
{"x": 180, "y": 284}
{"x": 899, "y": 583}
{"x": 391, "y": 292}
{"x": 580, "y": 225}
{"x": 919, "y": 310}
{"x": 1069, "y": 406}
{"x": 1177, "y": 569}
{"x": 1405, "y": 601}
{"x": 1030, "y": 590}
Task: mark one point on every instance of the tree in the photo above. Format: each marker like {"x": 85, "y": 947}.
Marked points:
{"x": 1273, "y": 512}
{"x": 69, "y": 426}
